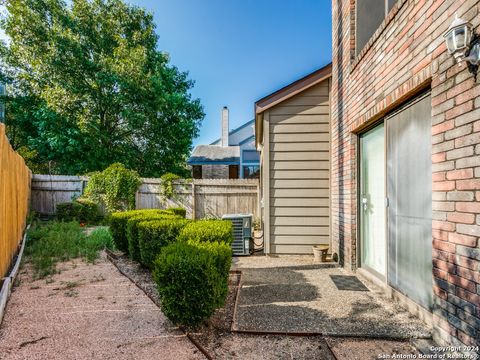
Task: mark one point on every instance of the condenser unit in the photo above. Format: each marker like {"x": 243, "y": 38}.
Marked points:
{"x": 242, "y": 233}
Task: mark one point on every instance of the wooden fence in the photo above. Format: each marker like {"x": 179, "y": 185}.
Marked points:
{"x": 201, "y": 198}
{"x": 14, "y": 200}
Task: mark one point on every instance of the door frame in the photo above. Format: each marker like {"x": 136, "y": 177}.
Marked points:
{"x": 376, "y": 274}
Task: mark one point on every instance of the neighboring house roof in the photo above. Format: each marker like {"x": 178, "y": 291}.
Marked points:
{"x": 215, "y": 154}
{"x": 286, "y": 93}
{"x": 231, "y": 132}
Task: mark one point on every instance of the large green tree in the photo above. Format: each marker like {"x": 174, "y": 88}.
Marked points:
{"x": 89, "y": 87}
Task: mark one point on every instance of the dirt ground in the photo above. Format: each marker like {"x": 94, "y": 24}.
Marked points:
{"x": 87, "y": 312}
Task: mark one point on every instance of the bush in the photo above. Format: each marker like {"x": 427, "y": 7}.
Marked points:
{"x": 178, "y": 211}
{"x": 118, "y": 226}
{"x": 208, "y": 231}
{"x": 190, "y": 282}
{"x": 115, "y": 187}
{"x": 83, "y": 210}
{"x": 132, "y": 229}
{"x": 155, "y": 234}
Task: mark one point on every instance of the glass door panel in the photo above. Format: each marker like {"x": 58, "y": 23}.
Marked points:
{"x": 372, "y": 200}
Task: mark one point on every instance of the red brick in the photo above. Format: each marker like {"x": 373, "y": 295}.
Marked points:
{"x": 445, "y": 256}
{"x": 473, "y": 184}
{"x": 441, "y": 274}
{"x": 467, "y": 263}
{"x": 466, "y": 339}
{"x": 444, "y": 246}
{"x": 471, "y": 207}
{"x": 460, "y": 174}
{"x": 445, "y": 266}
{"x": 468, "y": 296}
{"x": 468, "y": 95}
{"x": 440, "y": 292}
{"x": 464, "y": 218}
{"x": 447, "y": 125}
{"x": 460, "y": 88}
{"x": 461, "y": 282}
{"x": 440, "y": 234}
{"x": 438, "y": 176}
{"x": 443, "y": 225}
{"x": 468, "y": 274}
{"x": 459, "y": 110}
{"x": 438, "y": 157}
{"x": 462, "y": 239}
{"x": 443, "y": 186}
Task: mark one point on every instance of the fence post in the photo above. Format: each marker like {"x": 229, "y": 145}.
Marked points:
{"x": 194, "y": 211}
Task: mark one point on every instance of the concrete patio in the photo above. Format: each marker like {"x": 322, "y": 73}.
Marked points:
{"x": 293, "y": 294}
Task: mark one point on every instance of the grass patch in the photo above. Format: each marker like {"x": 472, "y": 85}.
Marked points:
{"x": 54, "y": 242}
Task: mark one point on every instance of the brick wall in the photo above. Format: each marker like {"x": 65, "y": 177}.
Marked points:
{"x": 406, "y": 55}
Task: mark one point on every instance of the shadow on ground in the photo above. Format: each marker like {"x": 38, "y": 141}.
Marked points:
{"x": 289, "y": 295}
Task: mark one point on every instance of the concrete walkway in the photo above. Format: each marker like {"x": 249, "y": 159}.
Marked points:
{"x": 292, "y": 294}
{"x": 87, "y": 312}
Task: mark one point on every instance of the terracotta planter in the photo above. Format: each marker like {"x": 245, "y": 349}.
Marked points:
{"x": 320, "y": 253}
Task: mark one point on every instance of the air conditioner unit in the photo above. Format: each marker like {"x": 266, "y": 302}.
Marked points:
{"x": 242, "y": 233}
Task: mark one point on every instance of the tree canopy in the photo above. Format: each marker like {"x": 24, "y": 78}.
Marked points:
{"x": 88, "y": 87}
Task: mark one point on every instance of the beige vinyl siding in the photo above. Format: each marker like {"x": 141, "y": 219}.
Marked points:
{"x": 299, "y": 172}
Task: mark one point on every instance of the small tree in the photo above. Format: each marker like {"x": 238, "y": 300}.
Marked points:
{"x": 115, "y": 188}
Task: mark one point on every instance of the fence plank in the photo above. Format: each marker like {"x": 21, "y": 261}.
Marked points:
{"x": 201, "y": 197}
{"x": 14, "y": 199}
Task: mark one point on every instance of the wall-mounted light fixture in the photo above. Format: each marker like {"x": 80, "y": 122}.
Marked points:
{"x": 463, "y": 44}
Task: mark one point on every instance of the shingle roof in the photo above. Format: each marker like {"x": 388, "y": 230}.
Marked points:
{"x": 215, "y": 154}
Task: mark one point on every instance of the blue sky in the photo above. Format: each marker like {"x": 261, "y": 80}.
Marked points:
{"x": 238, "y": 51}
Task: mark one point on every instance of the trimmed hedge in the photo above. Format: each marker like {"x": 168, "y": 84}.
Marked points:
{"x": 118, "y": 225}
{"x": 192, "y": 280}
{"x": 132, "y": 229}
{"x": 155, "y": 234}
{"x": 82, "y": 210}
{"x": 178, "y": 211}
{"x": 208, "y": 231}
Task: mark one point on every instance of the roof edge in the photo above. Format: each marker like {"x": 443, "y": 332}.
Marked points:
{"x": 293, "y": 89}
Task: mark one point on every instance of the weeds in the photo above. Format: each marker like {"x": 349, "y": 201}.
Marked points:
{"x": 54, "y": 242}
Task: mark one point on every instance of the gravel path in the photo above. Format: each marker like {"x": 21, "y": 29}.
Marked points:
{"x": 292, "y": 294}
{"x": 87, "y": 312}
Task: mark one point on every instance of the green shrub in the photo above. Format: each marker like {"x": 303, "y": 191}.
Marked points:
{"x": 118, "y": 226}
{"x": 190, "y": 282}
{"x": 132, "y": 229}
{"x": 155, "y": 234}
{"x": 83, "y": 210}
{"x": 178, "y": 211}
{"x": 115, "y": 187}
{"x": 208, "y": 231}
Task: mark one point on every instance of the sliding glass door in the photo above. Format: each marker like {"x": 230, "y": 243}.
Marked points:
{"x": 372, "y": 200}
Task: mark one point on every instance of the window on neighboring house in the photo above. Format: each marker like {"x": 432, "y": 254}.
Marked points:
{"x": 250, "y": 164}
{"x": 251, "y": 172}
{"x": 197, "y": 171}
{"x": 251, "y": 156}
{"x": 369, "y": 15}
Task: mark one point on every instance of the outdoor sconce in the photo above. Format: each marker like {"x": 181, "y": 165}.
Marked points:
{"x": 463, "y": 44}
